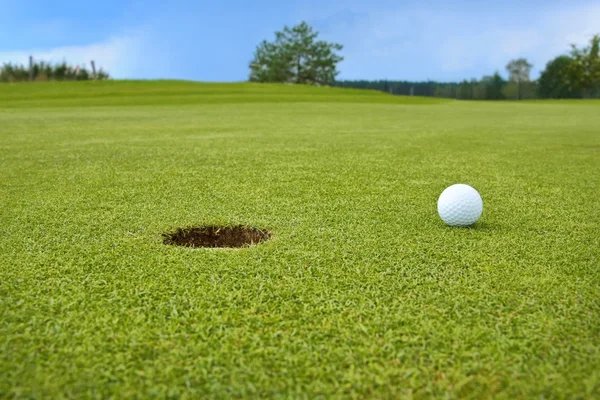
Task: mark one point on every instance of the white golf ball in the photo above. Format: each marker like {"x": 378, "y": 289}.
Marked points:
{"x": 460, "y": 205}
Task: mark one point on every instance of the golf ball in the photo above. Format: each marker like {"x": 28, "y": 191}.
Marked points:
{"x": 460, "y": 205}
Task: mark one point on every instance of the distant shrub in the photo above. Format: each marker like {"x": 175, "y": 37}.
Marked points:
{"x": 43, "y": 71}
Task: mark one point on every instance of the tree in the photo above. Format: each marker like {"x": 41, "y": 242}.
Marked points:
{"x": 296, "y": 57}
{"x": 44, "y": 71}
{"x": 493, "y": 86}
{"x": 478, "y": 89}
{"x": 518, "y": 71}
{"x": 554, "y": 82}
{"x": 583, "y": 73}
{"x": 465, "y": 90}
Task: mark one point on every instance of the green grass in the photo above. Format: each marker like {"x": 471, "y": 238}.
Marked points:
{"x": 137, "y": 93}
{"x": 362, "y": 292}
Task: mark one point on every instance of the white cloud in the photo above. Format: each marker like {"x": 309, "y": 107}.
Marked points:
{"x": 119, "y": 56}
{"x": 490, "y": 49}
{"x": 543, "y": 39}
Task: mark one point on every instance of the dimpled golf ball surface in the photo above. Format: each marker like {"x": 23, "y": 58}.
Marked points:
{"x": 460, "y": 205}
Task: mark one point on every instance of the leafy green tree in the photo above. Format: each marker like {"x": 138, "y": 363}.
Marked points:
{"x": 493, "y": 86}
{"x": 465, "y": 90}
{"x": 584, "y": 71}
{"x": 296, "y": 56}
{"x": 479, "y": 89}
{"x": 554, "y": 79}
{"x": 518, "y": 71}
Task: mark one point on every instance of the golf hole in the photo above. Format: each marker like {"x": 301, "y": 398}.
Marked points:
{"x": 216, "y": 236}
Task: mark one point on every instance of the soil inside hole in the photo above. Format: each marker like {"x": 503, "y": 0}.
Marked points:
{"x": 216, "y": 236}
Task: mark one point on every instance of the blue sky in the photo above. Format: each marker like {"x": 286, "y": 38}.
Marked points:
{"x": 214, "y": 41}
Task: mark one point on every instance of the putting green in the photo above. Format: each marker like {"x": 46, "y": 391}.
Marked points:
{"x": 361, "y": 292}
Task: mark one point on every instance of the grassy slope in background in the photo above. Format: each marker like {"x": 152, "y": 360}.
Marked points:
{"x": 362, "y": 292}
{"x": 102, "y": 93}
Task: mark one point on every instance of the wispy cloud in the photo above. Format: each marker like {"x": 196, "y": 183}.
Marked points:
{"x": 414, "y": 43}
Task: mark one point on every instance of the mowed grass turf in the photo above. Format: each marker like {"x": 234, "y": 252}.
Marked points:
{"x": 362, "y": 292}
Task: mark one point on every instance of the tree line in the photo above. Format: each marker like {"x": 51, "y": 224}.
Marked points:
{"x": 493, "y": 87}
{"x": 297, "y": 57}
{"x": 564, "y": 77}
{"x": 44, "y": 71}
{"x": 575, "y": 75}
